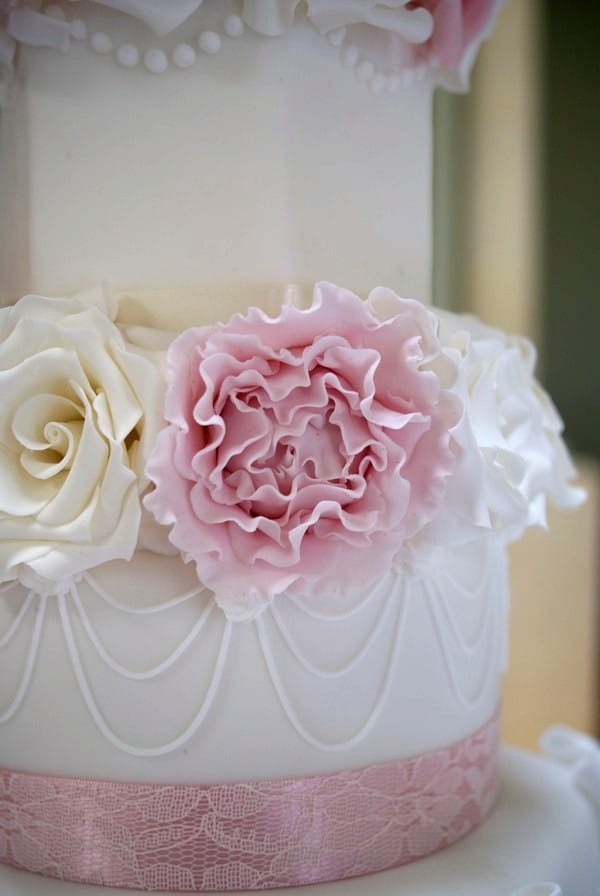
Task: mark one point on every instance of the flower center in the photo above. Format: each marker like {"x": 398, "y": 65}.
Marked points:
{"x": 48, "y": 428}
{"x": 301, "y": 455}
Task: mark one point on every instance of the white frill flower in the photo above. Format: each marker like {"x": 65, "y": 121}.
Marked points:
{"x": 515, "y": 424}
{"x": 578, "y": 751}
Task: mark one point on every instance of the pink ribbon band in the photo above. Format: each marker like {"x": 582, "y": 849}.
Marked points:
{"x": 189, "y": 838}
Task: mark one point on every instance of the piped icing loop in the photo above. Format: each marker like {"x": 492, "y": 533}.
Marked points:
{"x": 372, "y": 637}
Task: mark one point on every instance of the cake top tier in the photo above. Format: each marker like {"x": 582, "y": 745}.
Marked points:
{"x": 179, "y": 144}
{"x": 397, "y": 41}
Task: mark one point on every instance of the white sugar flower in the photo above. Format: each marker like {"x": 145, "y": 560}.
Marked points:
{"x": 78, "y": 414}
{"x": 516, "y": 426}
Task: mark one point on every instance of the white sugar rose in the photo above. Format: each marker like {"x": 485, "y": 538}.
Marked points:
{"x": 515, "y": 424}
{"x": 78, "y": 413}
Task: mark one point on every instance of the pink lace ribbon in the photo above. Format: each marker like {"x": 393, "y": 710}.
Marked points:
{"x": 192, "y": 838}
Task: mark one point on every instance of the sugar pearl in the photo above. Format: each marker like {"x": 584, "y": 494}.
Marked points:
{"x": 101, "y": 42}
{"x": 128, "y": 55}
{"x": 184, "y": 56}
{"x": 234, "y": 26}
{"x": 156, "y": 61}
{"x": 78, "y": 29}
{"x": 210, "y": 42}
{"x": 350, "y": 56}
{"x": 365, "y": 70}
{"x": 336, "y": 38}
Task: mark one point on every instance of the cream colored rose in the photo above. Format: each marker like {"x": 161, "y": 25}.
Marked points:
{"x": 78, "y": 413}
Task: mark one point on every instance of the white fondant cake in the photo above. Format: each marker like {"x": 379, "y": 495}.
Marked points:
{"x": 271, "y": 546}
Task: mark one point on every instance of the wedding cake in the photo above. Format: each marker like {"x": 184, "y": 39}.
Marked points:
{"x": 254, "y": 505}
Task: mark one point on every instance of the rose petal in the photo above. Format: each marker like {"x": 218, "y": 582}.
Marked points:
{"x": 73, "y": 431}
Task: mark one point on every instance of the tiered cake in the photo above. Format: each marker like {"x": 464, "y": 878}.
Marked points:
{"x": 253, "y": 611}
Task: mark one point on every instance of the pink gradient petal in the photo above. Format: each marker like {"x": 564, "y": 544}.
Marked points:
{"x": 302, "y": 450}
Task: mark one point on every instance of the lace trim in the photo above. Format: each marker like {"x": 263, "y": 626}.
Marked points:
{"x": 248, "y": 836}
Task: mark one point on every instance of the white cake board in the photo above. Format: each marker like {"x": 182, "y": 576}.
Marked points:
{"x": 542, "y": 830}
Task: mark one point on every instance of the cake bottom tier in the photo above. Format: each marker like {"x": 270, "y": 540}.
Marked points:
{"x": 542, "y": 831}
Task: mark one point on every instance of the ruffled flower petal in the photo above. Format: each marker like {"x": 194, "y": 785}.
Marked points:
{"x": 517, "y": 429}
{"x": 302, "y": 450}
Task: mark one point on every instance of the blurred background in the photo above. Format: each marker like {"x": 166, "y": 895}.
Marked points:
{"x": 517, "y": 241}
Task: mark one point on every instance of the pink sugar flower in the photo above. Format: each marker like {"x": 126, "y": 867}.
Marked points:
{"x": 456, "y": 25}
{"x": 459, "y": 26}
{"x": 302, "y": 450}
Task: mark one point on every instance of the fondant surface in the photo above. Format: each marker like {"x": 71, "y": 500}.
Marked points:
{"x": 241, "y": 169}
{"x": 139, "y": 676}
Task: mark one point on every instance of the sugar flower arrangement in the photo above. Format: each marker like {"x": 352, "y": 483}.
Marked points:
{"x": 303, "y": 453}
{"x": 437, "y": 39}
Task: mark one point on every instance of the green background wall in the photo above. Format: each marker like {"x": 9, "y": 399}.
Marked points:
{"x": 571, "y": 216}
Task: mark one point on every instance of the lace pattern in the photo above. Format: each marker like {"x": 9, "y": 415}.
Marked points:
{"x": 247, "y": 836}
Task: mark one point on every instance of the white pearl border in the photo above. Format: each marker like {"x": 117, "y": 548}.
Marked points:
{"x": 367, "y": 72}
{"x": 210, "y": 42}
{"x": 155, "y": 59}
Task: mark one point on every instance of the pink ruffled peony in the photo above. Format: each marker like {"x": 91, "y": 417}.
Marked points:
{"x": 459, "y": 26}
{"x": 456, "y": 24}
{"x": 302, "y": 450}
